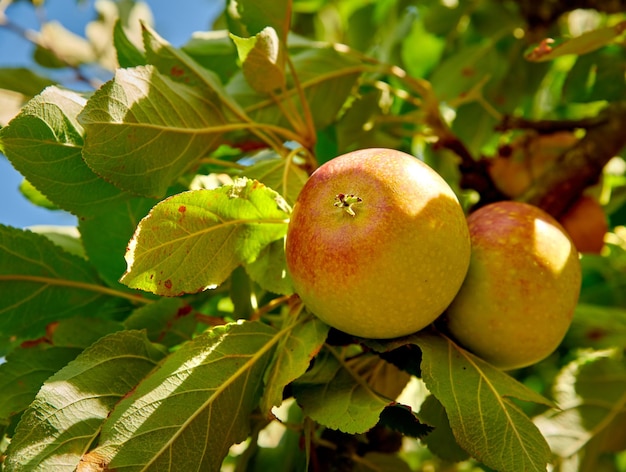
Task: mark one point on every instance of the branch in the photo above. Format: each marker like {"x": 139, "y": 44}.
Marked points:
{"x": 580, "y": 166}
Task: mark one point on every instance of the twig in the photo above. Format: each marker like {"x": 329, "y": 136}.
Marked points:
{"x": 580, "y": 166}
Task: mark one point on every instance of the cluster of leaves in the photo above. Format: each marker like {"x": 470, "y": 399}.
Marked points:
{"x": 182, "y": 170}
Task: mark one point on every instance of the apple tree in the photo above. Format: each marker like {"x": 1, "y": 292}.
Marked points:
{"x": 163, "y": 333}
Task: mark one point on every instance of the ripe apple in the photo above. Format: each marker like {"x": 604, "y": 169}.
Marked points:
{"x": 378, "y": 244}
{"x": 586, "y": 224}
{"x": 522, "y": 286}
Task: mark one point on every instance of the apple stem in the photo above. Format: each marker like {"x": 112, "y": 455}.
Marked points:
{"x": 346, "y": 201}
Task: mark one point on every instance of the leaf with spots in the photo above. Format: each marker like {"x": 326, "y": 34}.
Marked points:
{"x": 194, "y": 240}
{"x": 476, "y": 397}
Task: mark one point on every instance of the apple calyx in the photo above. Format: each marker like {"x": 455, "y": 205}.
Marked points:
{"x": 346, "y": 201}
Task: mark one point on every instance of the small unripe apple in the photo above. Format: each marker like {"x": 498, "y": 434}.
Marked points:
{"x": 377, "y": 244}
{"x": 522, "y": 286}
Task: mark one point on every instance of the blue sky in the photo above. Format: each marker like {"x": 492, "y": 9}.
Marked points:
{"x": 175, "y": 21}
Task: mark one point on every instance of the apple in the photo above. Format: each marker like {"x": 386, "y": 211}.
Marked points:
{"x": 522, "y": 286}
{"x": 377, "y": 244}
{"x": 586, "y": 223}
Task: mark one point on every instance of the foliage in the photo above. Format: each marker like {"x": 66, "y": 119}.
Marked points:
{"x": 165, "y": 335}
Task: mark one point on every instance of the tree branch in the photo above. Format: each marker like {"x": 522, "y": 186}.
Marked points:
{"x": 580, "y": 166}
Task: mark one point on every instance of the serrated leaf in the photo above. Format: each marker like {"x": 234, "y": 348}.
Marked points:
{"x": 213, "y": 50}
{"x": 279, "y": 174}
{"x": 403, "y": 419}
{"x": 143, "y": 130}
{"x": 195, "y": 239}
{"x": 337, "y": 396}
{"x": 485, "y": 422}
{"x": 105, "y": 237}
{"x": 187, "y": 414}
{"x": 70, "y": 408}
{"x": 441, "y": 440}
{"x": 168, "y": 321}
{"x": 590, "y": 393}
{"x": 326, "y": 77}
{"x": 248, "y": 17}
{"x": 44, "y": 143}
{"x": 22, "y": 80}
{"x": 25, "y": 370}
{"x": 304, "y": 338}
{"x": 262, "y": 60}
{"x": 69, "y": 49}
{"x": 583, "y": 44}
{"x": 29, "y": 365}
{"x": 128, "y": 55}
{"x": 269, "y": 269}
{"x": 41, "y": 283}
{"x": 179, "y": 66}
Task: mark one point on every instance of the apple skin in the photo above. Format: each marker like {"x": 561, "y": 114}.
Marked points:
{"x": 523, "y": 283}
{"x": 586, "y": 223}
{"x": 393, "y": 266}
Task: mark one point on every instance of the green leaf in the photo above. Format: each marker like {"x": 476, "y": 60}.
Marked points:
{"x": 194, "y": 240}
{"x": 128, "y": 55}
{"x": 44, "y": 143}
{"x": 262, "y": 60}
{"x": 213, "y": 50}
{"x": 248, "y": 17}
{"x": 597, "y": 327}
{"x": 23, "y": 81}
{"x": 72, "y": 405}
{"x": 441, "y": 440}
{"x": 583, "y": 44}
{"x": 280, "y": 174}
{"x": 66, "y": 237}
{"x": 25, "y": 370}
{"x": 590, "y": 393}
{"x": 337, "y": 396}
{"x": 401, "y": 418}
{"x": 468, "y": 67}
{"x": 326, "y": 77}
{"x": 28, "y": 366}
{"x": 187, "y": 414}
{"x": 143, "y": 130}
{"x": 304, "y": 338}
{"x": 68, "y": 49}
{"x": 180, "y": 67}
{"x": 106, "y": 236}
{"x": 168, "y": 321}
{"x": 378, "y": 461}
{"x": 41, "y": 283}
{"x": 269, "y": 269}
{"x": 485, "y": 422}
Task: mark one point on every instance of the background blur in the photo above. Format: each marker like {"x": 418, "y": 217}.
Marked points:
{"x": 175, "y": 21}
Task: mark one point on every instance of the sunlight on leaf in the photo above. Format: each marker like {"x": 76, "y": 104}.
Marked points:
{"x": 262, "y": 60}
{"x": 336, "y": 396}
{"x": 283, "y": 175}
{"x": 143, "y": 130}
{"x": 187, "y": 414}
{"x": 590, "y": 393}
{"x": 44, "y": 142}
{"x": 194, "y": 240}
{"x": 69, "y": 410}
{"x": 41, "y": 283}
{"x": 293, "y": 356}
{"x": 485, "y": 422}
